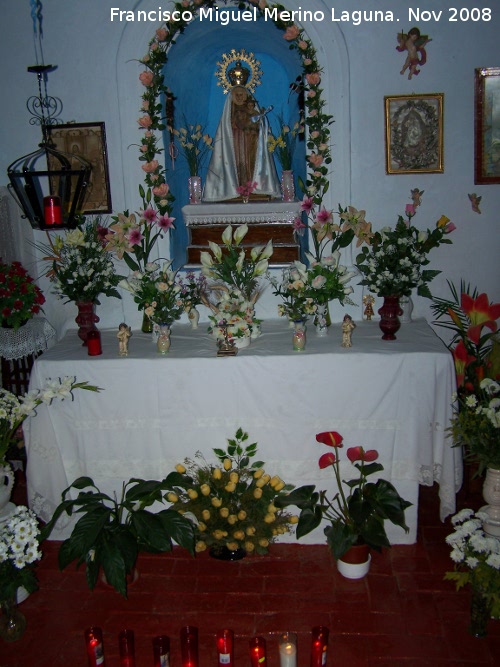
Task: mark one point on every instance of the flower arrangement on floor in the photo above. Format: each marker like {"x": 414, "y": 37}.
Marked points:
{"x": 81, "y": 268}
{"x": 476, "y": 557}
{"x": 195, "y": 145}
{"x": 393, "y": 264}
{"x": 354, "y": 518}
{"x": 475, "y": 425}
{"x": 158, "y": 292}
{"x": 20, "y": 297}
{"x": 19, "y": 550}
{"x": 469, "y": 314}
{"x": 296, "y": 304}
{"x": 233, "y": 503}
{"x": 15, "y": 409}
{"x": 282, "y": 145}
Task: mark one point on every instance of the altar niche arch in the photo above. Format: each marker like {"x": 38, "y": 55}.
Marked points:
{"x": 333, "y": 79}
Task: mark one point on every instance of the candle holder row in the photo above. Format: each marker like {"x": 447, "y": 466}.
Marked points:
{"x": 189, "y": 648}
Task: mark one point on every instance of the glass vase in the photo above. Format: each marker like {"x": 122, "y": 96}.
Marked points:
{"x": 287, "y": 185}
{"x": 480, "y": 612}
{"x": 163, "y": 342}
{"x": 194, "y": 187}
{"x": 147, "y": 324}
{"x": 86, "y": 319}
{"x": 299, "y": 336}
{"x": 12, "y": 621}
{"x": 322, "y": 319}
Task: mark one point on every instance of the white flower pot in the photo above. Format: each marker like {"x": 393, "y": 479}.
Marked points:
{"x": 354, "y": 570}
{"x": 491, "y": 493}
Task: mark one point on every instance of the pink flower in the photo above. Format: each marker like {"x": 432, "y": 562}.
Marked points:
{"x": 143, "y": 149}
{"x": 326, "y": 460}
{"x": 359, "y": 454}
{"x": 315, "y": 159}
{"x": 324, "y": 217}
{"x": 298, "y": 225}
{"x": 291, "y": 33}
{"x": 307, "y": 204}
{"x": 450, "y": 227}
{"x": 149, "y": 167}
{"x": 164, "y": 222}
{"x": 313, "y": 78}
{"x": 134, "y": 237}
{"x": 161, "y": 34}
{"x": 145, "y": 121}
{"x": 302, "y": 45}
{"x": 149, "y": 214}
{"x": 146, "y": 78}
{"x": 161, "y": 190}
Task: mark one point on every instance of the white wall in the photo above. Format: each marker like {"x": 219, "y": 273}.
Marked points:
{"x": 97, "y": 81}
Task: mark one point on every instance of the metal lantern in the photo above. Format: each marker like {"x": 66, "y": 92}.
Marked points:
{"x": 48, "y": 184}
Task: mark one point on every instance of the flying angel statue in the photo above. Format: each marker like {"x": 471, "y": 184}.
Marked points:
{"x": 414, "y": 43}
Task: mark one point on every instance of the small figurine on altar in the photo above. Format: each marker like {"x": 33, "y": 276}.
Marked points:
{"x": 124, "y": 333}
{"x": 368, "y": 300}
{"x": 413, "y": 43}
{"x": 348, "y": 327}
{"x": 226, "y": 346}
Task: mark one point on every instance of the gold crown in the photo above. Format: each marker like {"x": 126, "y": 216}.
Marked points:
{"x": 244, "y": 72}
{"x": 238, "y": 75}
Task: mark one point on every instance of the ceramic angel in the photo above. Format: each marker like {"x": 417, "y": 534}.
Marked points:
{"x": 348, "y": 327}
{"x": 475, "y": 201}
{"x": 416, "y": 197}
{"x": 124, "y": 333}
{"x": 413, "y": 42}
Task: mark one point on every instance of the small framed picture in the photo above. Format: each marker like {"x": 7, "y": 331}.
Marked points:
{"x": 87, "y": 140}
{"x": 414, "y": 134}
{"x": 487, "y": 126}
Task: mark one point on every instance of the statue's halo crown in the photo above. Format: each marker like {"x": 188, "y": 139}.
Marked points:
{"x": 238, "y": 68}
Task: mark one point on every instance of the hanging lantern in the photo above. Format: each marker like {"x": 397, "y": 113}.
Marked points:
{"x": 48, "y": 184}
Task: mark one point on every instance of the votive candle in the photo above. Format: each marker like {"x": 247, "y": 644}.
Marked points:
{"x": 257, "y": 652}
{"x": 94, "y": 347}
{"x": 288, "y": 649}
{"x": 189, "y": 646}
{"x": 126, "y": 646}
{"x": 225, "y": 641}
{"x": 161, "y": 651}
{"x": 94, "y": 646}
{"x": 319, "y": 646}
{"x": 52, "y": 210}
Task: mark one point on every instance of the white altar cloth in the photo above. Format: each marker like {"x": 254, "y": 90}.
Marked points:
{"x": 393, "y": 396}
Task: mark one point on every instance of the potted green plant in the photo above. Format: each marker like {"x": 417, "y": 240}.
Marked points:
{"x": 111, "y": 532}
{"x": 233, "y": 503}
{"x": 354, "y": 518}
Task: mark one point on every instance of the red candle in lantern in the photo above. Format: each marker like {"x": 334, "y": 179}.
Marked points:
{"x": 257, "y": 652}
{"x": 127, "y": 648}
{"x": 94, "y": 646}
{"x": 225, "y": 640}
{"x": 52, "y": 210}
{"x": 161, "y": 651}
{"x": 94, "y": 347}
{"x": 319, "y": 646}
{"x": 189, "y": 646}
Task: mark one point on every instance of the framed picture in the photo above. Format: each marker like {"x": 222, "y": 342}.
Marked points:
{"x": 487, "y": 126}
{"x": 87, "y": 140}
{"x": 414, "y": 134}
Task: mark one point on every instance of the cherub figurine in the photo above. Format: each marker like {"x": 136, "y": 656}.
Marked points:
{"x": 368, "y": 300}
{"x": 416, "y": 197}
{"x": 475, "y": 201}
{"x": 414, "y": 43}
{"x": 348, "y": 327}
{"x": 124, "y": 333}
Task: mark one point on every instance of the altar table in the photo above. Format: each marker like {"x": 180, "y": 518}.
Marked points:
{"x": 393, "y": 396}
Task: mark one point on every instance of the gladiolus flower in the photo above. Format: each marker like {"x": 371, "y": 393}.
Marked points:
{"x": 330, "y": 438}
{"x": 326, "y": 460}
{"x": 481, "y": 314}
{"x": 359, "y": 454}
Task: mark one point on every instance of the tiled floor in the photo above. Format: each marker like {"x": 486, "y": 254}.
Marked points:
{"x": 402, "y": 613}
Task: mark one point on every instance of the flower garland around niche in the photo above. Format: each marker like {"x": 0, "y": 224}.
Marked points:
{"x": 152, "y": 121}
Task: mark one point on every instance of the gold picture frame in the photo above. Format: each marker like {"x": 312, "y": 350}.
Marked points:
{"x": 414, "y": 134}
{"x": 87, "y": 140}
{"x": 487, "y": 126}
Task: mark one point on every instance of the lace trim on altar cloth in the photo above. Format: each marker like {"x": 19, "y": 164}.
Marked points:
{"x": 447, "y": 491}
{"x": 35, "y": 336}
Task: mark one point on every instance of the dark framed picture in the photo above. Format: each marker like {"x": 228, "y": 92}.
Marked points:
{"x": 87, "y": 140}
{"x": 414, "y": 134}
{"x": 487, "y": 126}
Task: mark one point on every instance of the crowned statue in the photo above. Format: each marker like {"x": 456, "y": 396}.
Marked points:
{"x": 240, "y": 154}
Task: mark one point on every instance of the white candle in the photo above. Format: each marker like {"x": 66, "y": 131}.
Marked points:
{"x": 288, "y": 650}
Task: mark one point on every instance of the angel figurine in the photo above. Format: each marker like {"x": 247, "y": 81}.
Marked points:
{"x": 475, "y": 201}
{"x": 416, "y": 197}
{"x": 413, "y": 43}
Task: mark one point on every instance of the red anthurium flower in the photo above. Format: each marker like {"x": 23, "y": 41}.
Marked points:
{"x": 359, "y": 454}
{"x": 326, "y": 460}
{"x": 330, "y": 438}
{"x": 462, "y": 360}
{"x": 480, "y": 313}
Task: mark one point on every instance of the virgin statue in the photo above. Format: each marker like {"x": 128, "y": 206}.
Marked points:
{"x": 240, "y": 153}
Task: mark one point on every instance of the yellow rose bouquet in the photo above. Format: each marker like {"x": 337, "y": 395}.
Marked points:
{"x": 232, "y": 503}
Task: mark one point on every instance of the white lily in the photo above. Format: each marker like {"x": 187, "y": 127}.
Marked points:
{"x": 255, "y": 251}
{"x": 216, "y": 250}
{"x": 206, "y": 259}
{"x": 240, "y": 262}
{"x": 261, "y": 267}
{"x": 227, "y": 235}
{"x": 268, "y": 250}
{"x": 240, "y": 234}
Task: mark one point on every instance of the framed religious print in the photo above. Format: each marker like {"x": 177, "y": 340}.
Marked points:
{"x": 414, "y": 134}
{"x": 87, "y": 140}
{"x": 487, "y": 126}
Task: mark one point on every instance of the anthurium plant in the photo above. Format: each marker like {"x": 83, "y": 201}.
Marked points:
{"x": 355, "y": 517}
{"x": 112, "y": 531}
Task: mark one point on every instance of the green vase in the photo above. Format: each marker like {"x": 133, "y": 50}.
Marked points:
{"x": 480, "y": 613}
{"x": 147, "y": 324}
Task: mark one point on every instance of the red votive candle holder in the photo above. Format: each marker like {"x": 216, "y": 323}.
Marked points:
{"x": 126, "y": 646}
{"x": 52, "y": 210}
{"x": 319, "y": 646}
{"x": 257, "y": 652}
{"x": 161, "y": 651}
{"x": 94, "y": 347}
{"x": 94, "y": 646}
{"x": 225, "y": 641}
{"x": 189, "y": 646}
